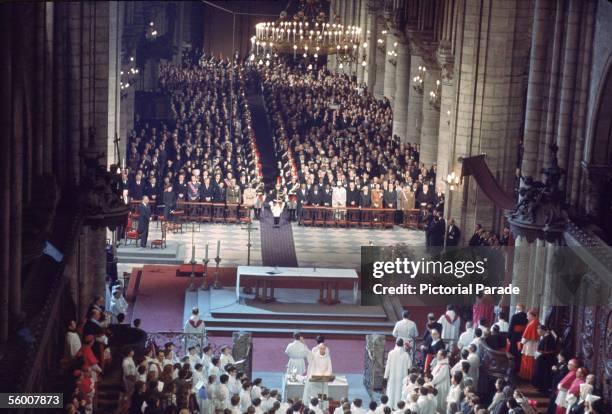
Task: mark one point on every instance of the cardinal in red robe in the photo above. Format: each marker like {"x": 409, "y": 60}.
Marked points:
{"x": 530, "y": 346}
{"x": 564, "y": 386}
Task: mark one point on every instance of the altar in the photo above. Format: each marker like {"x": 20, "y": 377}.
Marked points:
{"x": 266, "y": 277}
{"x": 337, "y": 389}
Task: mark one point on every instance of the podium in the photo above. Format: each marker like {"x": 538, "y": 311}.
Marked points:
{"x": 313, "y": 388}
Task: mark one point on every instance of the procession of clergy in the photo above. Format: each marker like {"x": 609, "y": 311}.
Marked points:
{"x": 449, "y": 382}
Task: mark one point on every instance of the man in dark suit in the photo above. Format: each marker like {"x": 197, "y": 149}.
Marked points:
{"x": 143, "y": 221}
{"x": 453, "y": 235}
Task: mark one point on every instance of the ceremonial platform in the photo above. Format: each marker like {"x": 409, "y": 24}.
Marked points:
{"x": 173, "y": 253}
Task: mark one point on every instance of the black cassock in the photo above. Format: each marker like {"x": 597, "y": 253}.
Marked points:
{"x": 518, "y": 322}
{"x": 547, "y": 347}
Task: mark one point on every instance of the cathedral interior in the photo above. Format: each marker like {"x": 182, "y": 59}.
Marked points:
{"x": 513, "y": 96}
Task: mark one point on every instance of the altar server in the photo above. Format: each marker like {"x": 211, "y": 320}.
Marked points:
{"x": 451, "y": 324}
{"x": 118, "y": 304}
{"x": 396, "y": 369}
{"x": 195, "y": 326}
{"x": 297, "y": 351}
{"x": 441, "y": 379}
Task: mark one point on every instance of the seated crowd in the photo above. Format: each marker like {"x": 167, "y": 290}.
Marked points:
{"x": 335, "y": 145}
{"x": 202, "y": 157}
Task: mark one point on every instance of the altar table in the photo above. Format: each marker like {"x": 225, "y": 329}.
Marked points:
{"x": 266, "y": 277}
{"x": 337, "y": 389}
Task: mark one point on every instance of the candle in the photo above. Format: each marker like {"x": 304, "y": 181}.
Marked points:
{"x": 218, "y": 247}
{"x": 206, "y": 254}
{"x": 193, "y": 252}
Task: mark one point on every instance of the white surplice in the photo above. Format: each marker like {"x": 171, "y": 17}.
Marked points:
{"x": 396, "y": 368}
{"x": 297, "y": 352}
{"x": 441, "y": 380}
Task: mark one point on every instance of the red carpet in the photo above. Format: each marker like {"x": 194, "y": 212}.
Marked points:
{"x": 160, "y": 301}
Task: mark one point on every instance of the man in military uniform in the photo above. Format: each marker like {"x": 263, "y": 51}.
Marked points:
{"x": 232, "y": 193}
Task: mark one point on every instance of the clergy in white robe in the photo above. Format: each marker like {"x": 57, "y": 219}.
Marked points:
{"x": 424, "y": 403}
{"x": 406, "y": 329}
{"x": 451, "y": 323}
{"x": 319, "y": 363}
{"x": 73, "y": 340}
{"x": 297, "y": 351}
{"x": 474, "y": 361}
{"x": 245, "y": 396}
{"x": 196, "y": 329}
{"x": 222, "y": 394}
{"x": 441, "y": 379}
{"x": 396, "y": 369}
{"x": 118, "y": 304}
{"x": 226, "y": 357}
{"x": 194, "y": 358}
{"x": 466, "y": 337}
{"x": 453, "y": 399}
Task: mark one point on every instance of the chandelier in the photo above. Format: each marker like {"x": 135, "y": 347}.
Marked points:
{"x": 434, "y": 96}
{"x": 417, "y": 81}
{"x": 307, "y": 33}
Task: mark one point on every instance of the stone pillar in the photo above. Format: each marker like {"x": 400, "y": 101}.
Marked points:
{"x": 389, "y": 81}
{"x": 431, "y": 119}
{"x": 403, "y": 86}
{"x": 6, "y": 39}
{"x": 489, "y": 102}
{"x": 537, "y": 273}
{"x": 371, "y": 40}
{"x": 568, "y": 86}
{"x": 362, "y": 21}
{"x": 537, "y": 86}
{"x": 520, "y": 270}
{"x": 242, "y": 348}
{"x": 114, "y": 80}
{"x": 444, "y": 162}
{"x": 380, "y": 61}
{"x": 415, "y": 103}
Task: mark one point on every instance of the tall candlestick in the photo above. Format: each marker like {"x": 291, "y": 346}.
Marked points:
{"x": 218, "y": 247}
{"x": 206, "y": 254}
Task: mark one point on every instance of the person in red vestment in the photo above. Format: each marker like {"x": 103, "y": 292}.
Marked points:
{"x": 574, "y": 389}
{"x": 483, "y": 307}
{"x": 530, "y": 346}
{"x": 564, "y": 386}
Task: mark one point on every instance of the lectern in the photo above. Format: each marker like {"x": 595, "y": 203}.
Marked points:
{"x": 324, "y": 380}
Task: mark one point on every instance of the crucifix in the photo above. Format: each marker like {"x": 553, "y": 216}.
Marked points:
{"x": 249, "y": 228}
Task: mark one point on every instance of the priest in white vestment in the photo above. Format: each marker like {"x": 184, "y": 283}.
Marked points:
{"x": 466, "y": 337}
{"x": 194, "y": 325}
{"x": 406, "y": 329}
{"x": 441, "y": 379}
{"x": 396, "y": 369}
{"x": 297, "y": 351}
{"x": 451, "y": 323}
{"x": 319, "y": 363}
{"x": 118, "y": 304}
{"x": 226, "y": 357}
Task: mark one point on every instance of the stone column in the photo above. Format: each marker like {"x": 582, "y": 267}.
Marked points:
{"x": 568, "y": 86}
{"x": 363, "y": 19}
{"x": 520, "y": 270}
{"x": 537, "y": 273}
{"x": 6, "y": 39}
{"x": 537, "y": 86}
{"x": 374, "y": 362}
{"x": 444, "y": 162}
{"x": 431, "y": 119}
{"x": 114, "y": 80}
{"x": 380, "y": 60}
{"x": 403, "y": 89}
{"x": 489, "y": 102}
{"x": 371, "y": 39}
{"x": 414, "y": 114}
{"x": 389, "y": 81}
